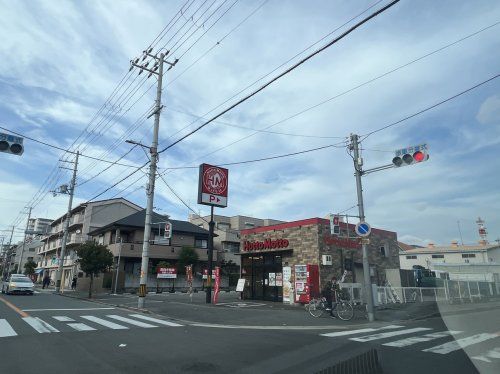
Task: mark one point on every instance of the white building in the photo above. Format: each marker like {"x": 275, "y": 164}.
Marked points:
{"x": 39, "y": 226}
{"x": 84, "y": 218}
{"x": 456, "y": 262}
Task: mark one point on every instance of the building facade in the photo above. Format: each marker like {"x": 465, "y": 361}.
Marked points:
{"x": 124, "y": 238}
{"x": 227, "y": 229}
{"x": 83, "y": 219}
{"x": 39, "y": 227}
{"x": 271, "y": 254}
{"x": 455, "y": 262}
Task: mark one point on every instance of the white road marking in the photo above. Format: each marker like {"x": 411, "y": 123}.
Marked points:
{"x": 63, "y": 318}
{"x": 6, "y": 329}
{"x": 156, "y": 320}
{"x": 420, "y": 339}
{"x": 103, "y": 322}
{"x": 460, "y": 343}
{"x": 131, "y": 321}
{"x": 384, "y": 335}
{"x": 43, "y": 310}
{"x": 360, "y": 331}
{"x": 494, "y": 353}
{"x": 81, "y": 327}
{"x": 40, "y": 325}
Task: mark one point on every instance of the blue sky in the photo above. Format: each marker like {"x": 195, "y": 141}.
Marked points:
{"x": 62, "y": 60}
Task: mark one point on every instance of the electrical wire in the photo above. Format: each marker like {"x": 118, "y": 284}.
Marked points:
{"x": 287, "y": 71}
{"x": 430, "y": 107}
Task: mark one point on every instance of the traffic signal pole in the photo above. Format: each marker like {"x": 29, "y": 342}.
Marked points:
{"x": 66, "y": 226}
{"x": 358, "y": 164}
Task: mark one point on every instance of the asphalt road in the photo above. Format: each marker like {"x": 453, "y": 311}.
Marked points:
{"x": 47, "y": 333}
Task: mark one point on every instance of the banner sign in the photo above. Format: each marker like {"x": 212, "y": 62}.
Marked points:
{"x": 217, "y": 284}
{"x": 189, "y": 278}
{"x": 287, "y": 283}
{"x": 166, "y": 273}
{"x": 213, "y": 185}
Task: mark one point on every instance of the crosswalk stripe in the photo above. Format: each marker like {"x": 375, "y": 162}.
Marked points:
{"x": 390, "y": 334}
{"x": 460, "y": 343}
{"x": 494, "y": 353}
{"x": 103, "y": 322}
{"x": 131, "y": 321}
{"x": 40, "y": 325}
{"x": 63, "y": 319}
{"x": 359, "y": 331}
{"x": 420, "y": 339}
{"x": 6, "y": 329}
{"x": 81, "y": 327}
{"x": 156, "y": 320}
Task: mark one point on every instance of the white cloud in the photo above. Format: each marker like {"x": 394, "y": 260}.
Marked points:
{"x": 489, "y": 112}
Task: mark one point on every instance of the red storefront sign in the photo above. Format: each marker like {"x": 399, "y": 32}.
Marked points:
{"x": 167, "y": 273}
{"x": 213, "y": 185}
{"x": 341, "y": 242}
{"x": 266, "y": 244}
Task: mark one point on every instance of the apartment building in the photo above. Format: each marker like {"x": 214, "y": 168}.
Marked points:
{"x": 39, "y": 226}
{"x": 83, "y": 219}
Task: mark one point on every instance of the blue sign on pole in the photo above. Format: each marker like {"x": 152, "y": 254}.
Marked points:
{"x": 363, "y": 229}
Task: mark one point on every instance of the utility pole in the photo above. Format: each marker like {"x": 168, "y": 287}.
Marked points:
{"x": 358, "y": 164}
{"x": 118, "y": 234}
{"x": 10, "y": 251}
{"x": 19, "y": 270}
{"x": 156, "y": 69}
{"x": 71, "y": 193}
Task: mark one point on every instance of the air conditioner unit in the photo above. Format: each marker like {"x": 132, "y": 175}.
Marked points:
{"x": 326, "y": 260}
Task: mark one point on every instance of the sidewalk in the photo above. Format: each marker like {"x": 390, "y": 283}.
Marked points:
{"x": 233, "y": 312}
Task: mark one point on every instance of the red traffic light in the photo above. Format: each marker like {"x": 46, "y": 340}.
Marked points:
{"x": 418, "y": 156}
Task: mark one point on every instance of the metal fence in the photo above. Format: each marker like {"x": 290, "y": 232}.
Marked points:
{"x": 452, "y": 291}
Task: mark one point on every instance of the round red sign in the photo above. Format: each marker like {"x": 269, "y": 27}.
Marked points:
{"x": 215, "y": 181}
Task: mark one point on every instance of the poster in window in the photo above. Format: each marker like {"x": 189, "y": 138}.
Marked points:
{"x": 279, "y": 279}
{"x": 272, "y": 279}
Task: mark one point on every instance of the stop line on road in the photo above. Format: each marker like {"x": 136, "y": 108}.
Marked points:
{"x": 92, "y": 323}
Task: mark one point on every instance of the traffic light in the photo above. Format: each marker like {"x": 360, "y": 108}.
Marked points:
{"x": 11, "y": 144}
{"x": 410, "y": 155}
{"x": 334, "y": 225}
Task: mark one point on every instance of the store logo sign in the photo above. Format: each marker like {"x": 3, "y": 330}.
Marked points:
{"x": 341, "y": 242}
{"x": 266, "y": 244}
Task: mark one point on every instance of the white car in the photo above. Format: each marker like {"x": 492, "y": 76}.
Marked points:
{"x": 18, "y": 283}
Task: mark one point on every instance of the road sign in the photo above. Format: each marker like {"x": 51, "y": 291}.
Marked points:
{"x": 213, "y": 185}
{"x": 363, "y": 229}
{"x": 365, "y": 241}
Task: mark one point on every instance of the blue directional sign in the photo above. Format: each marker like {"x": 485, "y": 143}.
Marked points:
{"x": 363, "y": 229}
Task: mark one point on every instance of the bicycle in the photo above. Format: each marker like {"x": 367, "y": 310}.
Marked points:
{"x": 342, "y": 308}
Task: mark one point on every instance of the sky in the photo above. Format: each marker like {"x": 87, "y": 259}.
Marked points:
{"x": 65, "y": 81}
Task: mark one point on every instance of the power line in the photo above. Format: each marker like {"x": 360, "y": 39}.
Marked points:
{"x": 258, "y": 130}
{"x": 287, "y": 71}
{"x": 431, "y": 107}
{"x": 275, "y": 69}
{"x": 352, "y": 89}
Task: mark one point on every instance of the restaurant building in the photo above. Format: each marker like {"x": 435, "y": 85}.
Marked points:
{"x": 296, "y": 259}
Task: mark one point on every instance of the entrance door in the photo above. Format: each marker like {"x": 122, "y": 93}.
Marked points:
{"x": 273, "y": 284}
{"x": 258, "y": 278}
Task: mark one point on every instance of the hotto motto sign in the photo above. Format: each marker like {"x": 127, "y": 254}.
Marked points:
{"x": 266, "y": 244}
{"x": 213, "y": 185}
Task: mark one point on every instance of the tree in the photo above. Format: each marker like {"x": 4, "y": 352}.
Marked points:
{"x": 29, "y": 267}
{"x": 94, "y": 259}
{"x": 187, "y": 256}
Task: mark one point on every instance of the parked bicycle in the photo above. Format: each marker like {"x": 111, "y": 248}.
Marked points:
{"x": 341, "y": 307}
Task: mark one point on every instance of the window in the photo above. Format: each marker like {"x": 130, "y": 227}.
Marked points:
{"x": 101, "y": 239}
{"x": 384, "y": 250}
{"x": 411, "y": 257}
{"x": 223, "y": 226}
{"x": 468, "y": 255}
{"x": 249, "y": 224}
{"x": 201, "y": 243}
{"x": 437, "y": 256}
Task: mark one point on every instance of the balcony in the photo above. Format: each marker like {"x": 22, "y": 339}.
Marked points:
{"x": 76, "y": 220}
{"x": 75, "y": 239}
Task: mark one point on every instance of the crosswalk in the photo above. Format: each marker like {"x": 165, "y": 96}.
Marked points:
{"x": 62, "y": 323}
{"x": 401, "y": 337}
